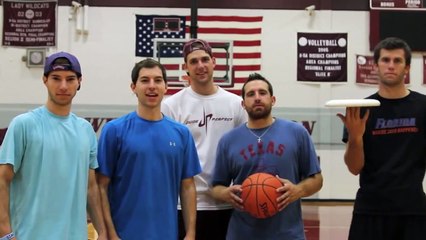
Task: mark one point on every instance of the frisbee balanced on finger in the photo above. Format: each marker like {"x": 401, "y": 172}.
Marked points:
{"x": 352, "y": 103}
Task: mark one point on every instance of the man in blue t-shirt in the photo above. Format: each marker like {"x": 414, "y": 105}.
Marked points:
{"x": 146, "y": 161}
{"x": 280, "y": 147}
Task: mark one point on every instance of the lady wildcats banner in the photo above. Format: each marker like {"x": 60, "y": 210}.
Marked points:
{"x": 29, "y": 24}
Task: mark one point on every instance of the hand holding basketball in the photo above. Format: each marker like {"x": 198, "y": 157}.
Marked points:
{"x": 259, "y": 195}
{"x": 234, "y": 196}
{"x": 289, "y": 193}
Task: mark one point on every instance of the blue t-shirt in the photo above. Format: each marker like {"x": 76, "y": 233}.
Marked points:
{"x": 286, "y": 150}
{"x": 146, "y": 162}
{"x": 51, "y": 157}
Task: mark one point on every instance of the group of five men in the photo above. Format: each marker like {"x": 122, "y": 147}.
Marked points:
{"x": 174, "y": 167}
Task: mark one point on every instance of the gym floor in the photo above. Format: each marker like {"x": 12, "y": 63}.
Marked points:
{"x": 323, "y": 220}
{"x": 327, "y": 220}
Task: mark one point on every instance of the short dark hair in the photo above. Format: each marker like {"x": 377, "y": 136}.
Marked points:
{"x": 253, "y": 77}
{"x": 147, "y": 63}
{"x": 392, "y": 43}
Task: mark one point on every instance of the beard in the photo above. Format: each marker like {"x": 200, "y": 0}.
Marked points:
{"x": 391, "y": 82}
{"x": 259, "y": 114}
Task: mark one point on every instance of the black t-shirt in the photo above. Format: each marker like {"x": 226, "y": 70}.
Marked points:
{"x": 391, "y": 181}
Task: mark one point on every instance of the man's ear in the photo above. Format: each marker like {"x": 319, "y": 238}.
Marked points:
{"x": 185, "y": 68}
{"x": 407, "y": 69}
{"x": 273, "y": 100}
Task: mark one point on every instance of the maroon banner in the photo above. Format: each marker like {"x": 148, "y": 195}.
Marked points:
{"x": 397, "y": 4}
{"x": 424, "y": 69}
{"x": 29, "y": 24}
{"x": 366, "y": 72}
{"x": 322, "y": 57}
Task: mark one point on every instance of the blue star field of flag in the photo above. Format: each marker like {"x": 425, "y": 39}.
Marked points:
{"x": 147, "y": 30}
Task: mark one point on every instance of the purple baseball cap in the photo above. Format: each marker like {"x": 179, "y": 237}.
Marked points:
{"x": 73, "y": 66}
{"x": 196, "y": 44}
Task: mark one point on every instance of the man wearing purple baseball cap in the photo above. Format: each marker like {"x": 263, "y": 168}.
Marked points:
{"x": 208, "y": 111}
{"x": 47, "y": 163}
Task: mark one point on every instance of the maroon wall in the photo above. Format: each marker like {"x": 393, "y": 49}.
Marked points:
{"x": 360, "y": 5}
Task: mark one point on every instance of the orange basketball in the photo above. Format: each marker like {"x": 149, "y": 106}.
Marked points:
{"x": 259, "y": 195}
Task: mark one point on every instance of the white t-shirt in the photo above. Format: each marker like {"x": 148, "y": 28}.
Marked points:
{"x": 208, "y": 118}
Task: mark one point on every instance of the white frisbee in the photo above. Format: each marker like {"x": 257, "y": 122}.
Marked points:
{"x": 352, "y": 103}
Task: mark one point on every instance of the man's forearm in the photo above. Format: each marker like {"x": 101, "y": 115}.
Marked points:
{"x": 5, "y": 227}
{"x": 95, "y": 211}
{"x": 311, "y": 185}
{"x": 94, "y": 205}
{"x": 6, "y": 175}
{"x": 354, "y": 155}
{"x": 103, "y": 182}
{"x": 189, "y": 207}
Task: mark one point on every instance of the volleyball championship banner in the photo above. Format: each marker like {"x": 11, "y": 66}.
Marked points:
{"x": 29, "y": 23}
{"x": 322, "y": 57}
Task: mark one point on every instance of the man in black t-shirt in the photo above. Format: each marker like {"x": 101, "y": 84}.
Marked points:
{"x": 386, "y": 145}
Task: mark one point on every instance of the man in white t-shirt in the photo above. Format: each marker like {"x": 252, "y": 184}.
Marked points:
{"x": 209, "y": 111}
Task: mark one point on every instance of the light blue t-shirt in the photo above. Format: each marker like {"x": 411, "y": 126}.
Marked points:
{"x": 51, "y": 156}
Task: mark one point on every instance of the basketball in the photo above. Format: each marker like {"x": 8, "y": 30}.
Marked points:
{"x": 259, "y": 195}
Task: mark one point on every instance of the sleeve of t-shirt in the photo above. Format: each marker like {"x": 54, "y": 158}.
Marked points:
{"x": 107, "y": 150}
{"x": 308, "y": 156}
{"x": 221, "y": 171}
{"x": 93, "y": 148}
{"x": 14, "y": 142}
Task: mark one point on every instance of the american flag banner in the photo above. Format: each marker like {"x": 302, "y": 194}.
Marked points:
{"x": 243, "y": 32}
